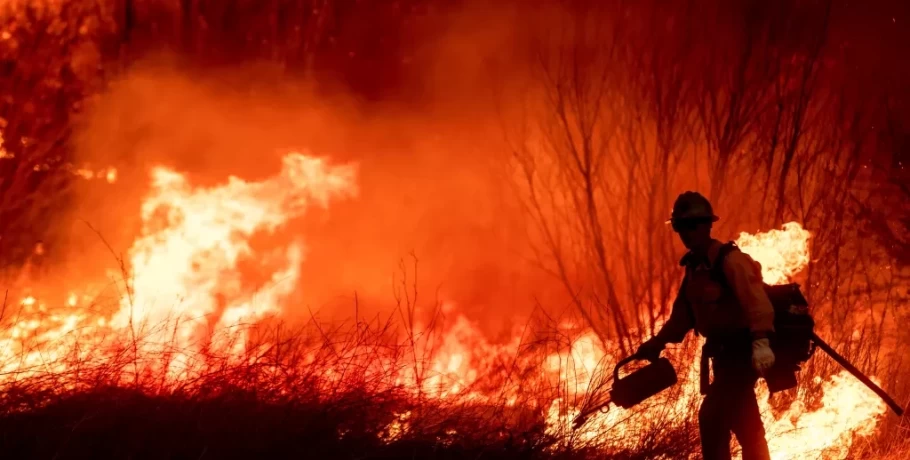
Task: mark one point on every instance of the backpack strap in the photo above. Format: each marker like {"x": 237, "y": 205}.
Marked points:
{"x": 717, "y": 272}
{"x": 682, "y": 288}
{"x": 717, "y": 269}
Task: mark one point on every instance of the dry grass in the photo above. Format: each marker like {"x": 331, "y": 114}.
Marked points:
{"x": 314, "y": 392}
{"x": 319, "y": 391}
{"x": 333, "y": 391}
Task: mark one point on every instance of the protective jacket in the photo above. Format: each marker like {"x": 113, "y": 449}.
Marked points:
{"x": 715, "y": 311}
{"x": 729, "y": 317}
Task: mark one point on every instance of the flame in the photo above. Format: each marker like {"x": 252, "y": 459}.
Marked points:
{"x": 184, "y": 275}
{"x": 781, "y": 253}
{"x": 185, "y": 298}
{"x": 4, "y": 154}
{"x": 399, "y": 427}
{"x": 848, "y": 409}
{"x": 185, "y": 263}
{"x": 108, "y": 174}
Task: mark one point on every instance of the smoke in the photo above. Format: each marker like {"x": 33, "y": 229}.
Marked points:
{"x": 432, "y": 205}
{"x": 434, "y": 149}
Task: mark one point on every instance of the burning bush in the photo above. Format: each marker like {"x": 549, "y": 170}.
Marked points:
{"x": 203, "y": 342}
{"x": 376, "y": 386}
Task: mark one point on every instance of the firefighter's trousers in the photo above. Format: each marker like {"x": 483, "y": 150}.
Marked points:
{"x": 730, "y": 406}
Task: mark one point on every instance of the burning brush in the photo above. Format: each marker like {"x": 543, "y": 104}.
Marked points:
{"x": 192, "y": 240}
{"x": 795, "y": 342}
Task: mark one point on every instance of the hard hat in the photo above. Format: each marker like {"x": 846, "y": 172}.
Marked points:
{"x": 692, "y": 205}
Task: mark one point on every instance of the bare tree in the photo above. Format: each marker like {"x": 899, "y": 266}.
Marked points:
{"x": 597, "y": 164}
{"x": 648, "y": 105}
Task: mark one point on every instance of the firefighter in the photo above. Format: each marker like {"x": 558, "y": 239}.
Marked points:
{"x": 735, "y": 318}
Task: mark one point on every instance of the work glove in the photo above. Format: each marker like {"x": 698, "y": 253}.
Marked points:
{"x": 650, "y": 349}
{"x": 762, "y": 356}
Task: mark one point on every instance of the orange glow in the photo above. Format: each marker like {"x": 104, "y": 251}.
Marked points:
{"x": 108, "y": 174}
{"x": 185, "y": 264}
{"x": 848, "y": 407}
{"x": 185, "y": 299}
{"x": 85, "y": 173}
{"x": 781, "y": 253}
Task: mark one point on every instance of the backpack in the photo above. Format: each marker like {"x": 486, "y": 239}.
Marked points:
{"x": 792, "y": 341}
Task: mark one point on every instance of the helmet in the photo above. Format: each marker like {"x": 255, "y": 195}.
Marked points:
{"x": 692, "y": 205}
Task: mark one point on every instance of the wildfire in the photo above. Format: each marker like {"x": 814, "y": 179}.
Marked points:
{"x": 185, "y": 298}
{"x": 185, "y": 263}
{"x": 781, "y": 253}
{"x": 848, "y": 408}
{"x": 184, "y": 276}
